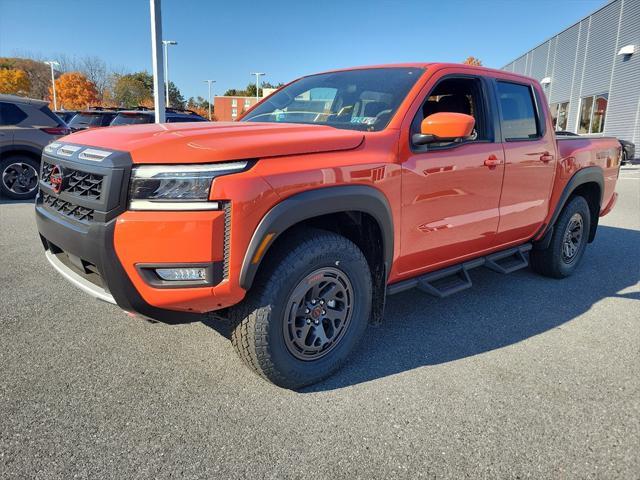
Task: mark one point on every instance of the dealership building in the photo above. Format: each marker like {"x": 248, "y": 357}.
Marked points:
{"x": 591, "y": 72}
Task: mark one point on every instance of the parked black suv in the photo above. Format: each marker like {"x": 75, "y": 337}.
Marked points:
{"x": 143, "y": 115}
{"x": 66, "y": 115}
{"x": 94, "y": 117}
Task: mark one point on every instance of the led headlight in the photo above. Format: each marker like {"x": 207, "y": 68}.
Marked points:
{"x": 176, "y": 187}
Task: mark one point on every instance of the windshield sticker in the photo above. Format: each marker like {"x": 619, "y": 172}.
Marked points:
{"x": 364, "y": 120}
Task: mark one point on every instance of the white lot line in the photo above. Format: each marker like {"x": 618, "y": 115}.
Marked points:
{"x": 630, "y": 172}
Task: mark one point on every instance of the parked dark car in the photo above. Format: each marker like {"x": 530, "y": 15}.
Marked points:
{"x": 628, "y": 151}
{"x": 26, "y": 127}
{"x": 66, "y": 115}
{"x": 94, "y": 117}
{"x": 173, "y": 115}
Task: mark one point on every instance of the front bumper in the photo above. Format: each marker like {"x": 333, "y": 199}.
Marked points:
{"x": 87, "y": 258}
{"x": 108, "y": 252}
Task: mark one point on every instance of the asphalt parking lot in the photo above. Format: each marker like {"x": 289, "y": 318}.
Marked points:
{"x": 520, "y": 376}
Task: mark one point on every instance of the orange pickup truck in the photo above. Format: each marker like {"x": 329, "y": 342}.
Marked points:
{"x": 337, "y": 190}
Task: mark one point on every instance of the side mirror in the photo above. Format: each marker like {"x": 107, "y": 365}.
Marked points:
{"x": 443, "y": 127}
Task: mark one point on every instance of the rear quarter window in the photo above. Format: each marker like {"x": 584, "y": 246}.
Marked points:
{"x": 11, "y": 114}
{"x": 47, "y": 111}
{"x": 517, "y": 112}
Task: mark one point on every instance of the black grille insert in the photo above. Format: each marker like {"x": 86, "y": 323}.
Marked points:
{"x": 81, "y": 184}
{"x": 67, "y": 208}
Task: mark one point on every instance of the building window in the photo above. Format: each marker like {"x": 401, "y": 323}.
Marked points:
{"x": 247, "y": 103}
{"x": 559, "y": 114}
{"x": 234, "y": 102}
{"x": 592, "y": 112}
{"x": 234, "y": 112}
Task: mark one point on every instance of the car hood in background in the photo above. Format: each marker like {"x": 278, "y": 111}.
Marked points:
{"x": 201, "y": 142}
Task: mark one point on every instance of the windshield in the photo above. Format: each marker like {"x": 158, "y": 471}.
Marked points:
{"x": 363, "y": 99}
{"x": 131, "y": 119}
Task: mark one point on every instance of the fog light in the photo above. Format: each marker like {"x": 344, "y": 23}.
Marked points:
{"x": 178, "y": 274}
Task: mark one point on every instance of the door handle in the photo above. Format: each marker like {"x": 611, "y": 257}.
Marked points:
{"x": 546, "y": 157}
{"x": 492, "y": 161}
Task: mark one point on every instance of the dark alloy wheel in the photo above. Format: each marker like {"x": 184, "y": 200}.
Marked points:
{"x": 568, "y": 241}
{"x": 19, "y": 177}
{"x": 319, "y": 311}
{"x": 572, "y": 238}
{"x": 307, "y": 309}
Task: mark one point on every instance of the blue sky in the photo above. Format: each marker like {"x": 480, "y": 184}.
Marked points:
{"x": 226, "y": 40}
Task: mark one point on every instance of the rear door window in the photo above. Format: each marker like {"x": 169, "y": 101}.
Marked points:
{"x": 517, "y": 112}
{"x": 11, "y": 114}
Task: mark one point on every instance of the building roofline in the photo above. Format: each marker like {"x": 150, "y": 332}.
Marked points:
{"x": 609, "y": 2}
{"x": 233, "y": 96}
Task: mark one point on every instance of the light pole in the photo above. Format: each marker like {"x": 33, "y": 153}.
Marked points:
{"x": 258, "y": 75}
{"x": 51, "y": 63}
{"x": 166, "y": 44}
{"x": 155, "y": 14}
{"x": 210, "y": 82}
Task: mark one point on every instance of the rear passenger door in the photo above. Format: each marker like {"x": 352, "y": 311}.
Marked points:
{"x": 529, "y": 150}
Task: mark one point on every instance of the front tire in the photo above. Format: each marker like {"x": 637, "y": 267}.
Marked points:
{"x": 19, "y": 177}
{"x": 307, "y": 310}
{"x": 568, "y": 242}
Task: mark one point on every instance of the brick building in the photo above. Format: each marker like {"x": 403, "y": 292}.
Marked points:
{"x": 229, "y": 108}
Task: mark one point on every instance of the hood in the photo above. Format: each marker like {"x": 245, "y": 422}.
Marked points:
{"x": 203, "y": 142}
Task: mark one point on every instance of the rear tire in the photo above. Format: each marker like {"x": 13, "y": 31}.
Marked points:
{"x": 568, "y": 242}
{"x": 307, "y": 310}
{"x": 19, "y": 177}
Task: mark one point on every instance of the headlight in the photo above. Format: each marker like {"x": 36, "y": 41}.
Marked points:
{"x": 176, "y": 187}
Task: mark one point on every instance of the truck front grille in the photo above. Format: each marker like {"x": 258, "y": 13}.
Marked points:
{"x": 69, "y": 209}
{"x": 82, "y": 184}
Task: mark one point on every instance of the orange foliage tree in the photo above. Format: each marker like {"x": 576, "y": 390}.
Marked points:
{"x": 476, "y": 62}
{"x": 14, "y": 81}
{"x": 74, "y": 91}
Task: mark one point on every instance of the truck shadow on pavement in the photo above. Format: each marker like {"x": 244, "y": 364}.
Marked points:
{"x": 419, "y": 330}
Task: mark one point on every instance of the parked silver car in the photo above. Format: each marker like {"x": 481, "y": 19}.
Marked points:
{"x": 26, "y": 127}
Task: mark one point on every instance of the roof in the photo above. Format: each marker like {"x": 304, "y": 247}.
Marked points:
{"x": 17, "y": 99}
{"x": 429, "y": 65}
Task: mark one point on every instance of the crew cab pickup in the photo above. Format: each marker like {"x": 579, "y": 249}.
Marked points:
{"x": 295, "y": 222}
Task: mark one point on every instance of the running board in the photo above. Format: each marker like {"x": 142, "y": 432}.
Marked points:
{"x": 508, "y": 261}
{"x": 450, "y": 280}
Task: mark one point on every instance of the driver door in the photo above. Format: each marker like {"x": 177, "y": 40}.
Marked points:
{"x": 451, "y": 190}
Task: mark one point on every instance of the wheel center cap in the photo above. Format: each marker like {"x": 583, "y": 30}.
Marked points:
{"x": 316, "y": 312}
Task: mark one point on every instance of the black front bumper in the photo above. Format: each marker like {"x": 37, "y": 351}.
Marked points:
{"x": 77, "y": 228}
{"x": 98, "y": 262}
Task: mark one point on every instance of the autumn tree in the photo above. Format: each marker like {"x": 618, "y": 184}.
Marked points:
{"x": 14, "y": 81}
{"x": 38, "y": 73}
{"x": 476, "y": 62}
{"x": 135, "y": 89}
{"x": 201, "y": 107}
{"x": 74, "y": 91}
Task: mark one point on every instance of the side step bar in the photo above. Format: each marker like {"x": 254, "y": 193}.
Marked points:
{"x": 454, "y": 279}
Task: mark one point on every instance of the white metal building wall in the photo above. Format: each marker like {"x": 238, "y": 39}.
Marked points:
{"x": 583, "y": 60}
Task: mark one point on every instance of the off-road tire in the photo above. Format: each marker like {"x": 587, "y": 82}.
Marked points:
{"x": 259, "y": 322}
{"x": 550, "y": 261}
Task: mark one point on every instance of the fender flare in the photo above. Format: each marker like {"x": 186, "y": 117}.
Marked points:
{"x": 314, "y": 203}
{"x": 17, "y": 148}
{"x": 582, "y": 176}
